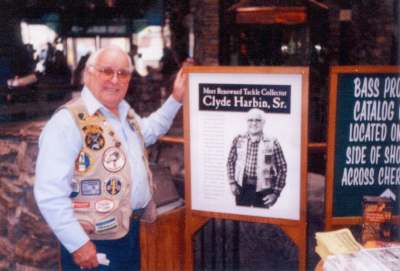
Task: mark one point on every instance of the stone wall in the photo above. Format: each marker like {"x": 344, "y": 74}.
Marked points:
{"x": 26, "y": 243}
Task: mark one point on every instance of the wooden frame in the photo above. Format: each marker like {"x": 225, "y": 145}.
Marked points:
{"x": 296, "y": 229}
{"x": 336, "y": 71}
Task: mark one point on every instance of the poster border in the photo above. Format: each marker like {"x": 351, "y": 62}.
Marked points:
{"x": 304, "y": 72}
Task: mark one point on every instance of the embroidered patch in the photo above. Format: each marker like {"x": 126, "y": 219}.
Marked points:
{"x": 81, "y": 204}
{"x": 74, "y": 188}
{"x": 91, "y": 187}
{"x": 107, "y": 224}
{"x": 82, "y": 116}
{"x": 85, "y": 118}
{"x": 104, "y": 206}
{"x": 113, "y": 186}
{"x": 94, "y": 138}
{"x": 113, "y": 159}
{"x": 83, "y": 163}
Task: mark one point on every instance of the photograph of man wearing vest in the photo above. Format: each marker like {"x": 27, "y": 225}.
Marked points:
{"x": 93, "y": 182}
{"x": 256, "y": 165}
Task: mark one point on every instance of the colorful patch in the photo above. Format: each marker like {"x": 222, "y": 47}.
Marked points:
{"x": 113, "y": 159}
{"x": 113, "y": 186}
{"x": 104, "y": 206}
{"x": 74, "y": 188}
{"x": 81, "y": 204}
{"x": 88, "y": 119}
{"x": 107, "y": 224}
{"x": 91, "y": 187}
{"x": 83, "y": 163}
{"x": 94, "y": 138}
{"x": 82, "y": 116}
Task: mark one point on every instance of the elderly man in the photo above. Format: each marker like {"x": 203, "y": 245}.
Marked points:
{"x": 256, "y": 165}
{"x": 92, "y": 177}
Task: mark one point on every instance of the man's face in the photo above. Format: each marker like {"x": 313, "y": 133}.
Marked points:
{"x": 109, "y": 78}
{"x": 255, "y": 124}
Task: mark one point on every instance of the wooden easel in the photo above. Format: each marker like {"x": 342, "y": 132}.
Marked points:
{"x": 195, "y": 220}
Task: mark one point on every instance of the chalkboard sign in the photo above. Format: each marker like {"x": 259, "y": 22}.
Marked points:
{"x": 363, "y": 139}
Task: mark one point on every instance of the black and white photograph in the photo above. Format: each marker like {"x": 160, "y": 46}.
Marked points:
{"x": 256, "y": 165}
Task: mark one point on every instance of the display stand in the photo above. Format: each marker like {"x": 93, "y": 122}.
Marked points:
{"x": 293, "y": 83}
{"x": 162, "y": 242}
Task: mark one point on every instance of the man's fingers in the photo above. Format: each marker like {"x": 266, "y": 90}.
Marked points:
{"x": 86, "y": 256}
{"x": 188, "y": 62}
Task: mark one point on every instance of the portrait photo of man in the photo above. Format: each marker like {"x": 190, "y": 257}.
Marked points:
{"x": 256, "y": 165}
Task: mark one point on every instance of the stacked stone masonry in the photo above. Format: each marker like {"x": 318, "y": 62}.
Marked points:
{"x": 26, "y": 243}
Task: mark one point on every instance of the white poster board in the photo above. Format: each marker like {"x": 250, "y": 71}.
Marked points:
{"x": 218, "y": 106}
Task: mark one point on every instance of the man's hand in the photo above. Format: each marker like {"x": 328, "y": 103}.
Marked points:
{"x": 85, "y": 256}
{"x": 181, "y": 81}
{"x": 269, "y": 200}
{"x": 234, "y": 188}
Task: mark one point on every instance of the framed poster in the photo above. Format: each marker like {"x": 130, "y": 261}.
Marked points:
{"x": 363, "y": 140}
{"x": 246, "y": 142}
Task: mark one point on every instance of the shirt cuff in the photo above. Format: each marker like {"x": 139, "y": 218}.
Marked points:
{"x": 73, "y": 237}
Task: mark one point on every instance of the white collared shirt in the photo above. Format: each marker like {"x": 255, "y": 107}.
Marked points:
{"x": 59, "y": 145}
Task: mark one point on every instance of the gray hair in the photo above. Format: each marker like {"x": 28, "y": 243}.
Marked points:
{"x": 255, "y": 111}
{"x": 93, "y": 58}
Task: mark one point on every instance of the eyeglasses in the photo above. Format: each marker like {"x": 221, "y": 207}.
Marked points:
{"x": 108, "y": 74}
{"x": 254, "y": 120}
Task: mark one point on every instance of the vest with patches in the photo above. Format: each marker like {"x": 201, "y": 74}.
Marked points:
{"x": 101, "y": 183}
{"x": 266, "y": 170}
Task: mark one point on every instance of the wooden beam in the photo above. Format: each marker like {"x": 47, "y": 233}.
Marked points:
{"x": 271, "y": 15}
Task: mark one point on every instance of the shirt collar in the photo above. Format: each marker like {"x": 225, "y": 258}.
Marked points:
{"x": 255, "y": 139}
{"x": 93, "y": 105}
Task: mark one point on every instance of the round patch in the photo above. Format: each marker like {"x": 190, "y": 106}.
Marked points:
{"x": 94, "y": 138}
{"x": 113, "y": 186}
{"x": 83, "y": 163}
{"x": 113, "y": 159}
{"x": 104, "y": 206}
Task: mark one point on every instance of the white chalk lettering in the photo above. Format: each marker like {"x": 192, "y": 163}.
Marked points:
{"x": 369, "y": 110}
{"x": 355, "y": 155}
{"x": 392, "y": 154}
{"x": 368, "y": 87}
{"x": 367, "y": 132}
{"x": 392, "y": 87}
{"x": 375, "y": 154}
{"x": 389, "y": 176}
{"x": 357, "y": 176}
{"x": 395, "y": 132}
